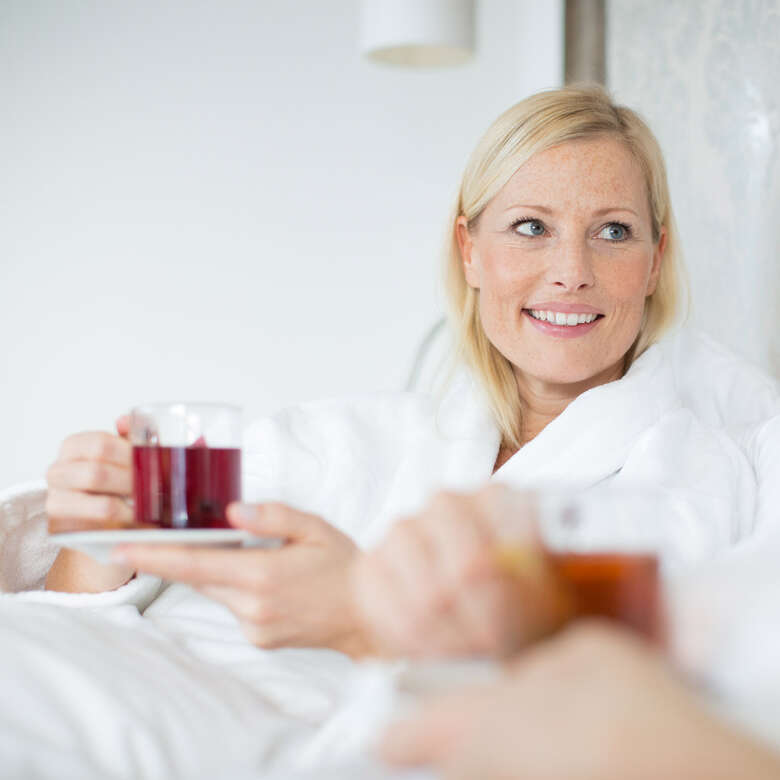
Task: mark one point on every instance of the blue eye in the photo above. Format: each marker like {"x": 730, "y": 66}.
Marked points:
{"x": 615, "y": 231}
{"x": 529, "y": 227}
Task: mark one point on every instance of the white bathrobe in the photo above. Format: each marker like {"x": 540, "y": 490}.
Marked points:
{"x": 360, "y": 463}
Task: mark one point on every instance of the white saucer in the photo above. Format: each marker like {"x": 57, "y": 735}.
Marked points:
{"x": 98, "y": 544}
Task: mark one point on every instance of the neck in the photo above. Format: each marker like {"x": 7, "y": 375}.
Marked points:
{"x": 543, "y": 401}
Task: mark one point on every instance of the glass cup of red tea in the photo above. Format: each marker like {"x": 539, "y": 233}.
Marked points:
{"x": 186, "y": 463}
{"x": 599, "y": 554}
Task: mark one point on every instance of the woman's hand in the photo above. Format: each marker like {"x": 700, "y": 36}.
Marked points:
{"x": 90, "y": 482}
{"x": 294, "y": 596}
{"x": 593, "y": 702}
{"x": 88, "y": 488}
{"x": 438, "y": 586}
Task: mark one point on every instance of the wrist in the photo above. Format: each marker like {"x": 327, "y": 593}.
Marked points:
{"x": 356, "y": 645}
{"x": 356, "y": 641}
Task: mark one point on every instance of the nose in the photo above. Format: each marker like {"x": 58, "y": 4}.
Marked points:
{"x": 571, "y": 267}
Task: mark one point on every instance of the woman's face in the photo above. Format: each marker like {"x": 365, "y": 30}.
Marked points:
{"x": 563, "y": 257}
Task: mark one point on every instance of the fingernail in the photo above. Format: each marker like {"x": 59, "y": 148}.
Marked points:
{"x": 242, "y": 512}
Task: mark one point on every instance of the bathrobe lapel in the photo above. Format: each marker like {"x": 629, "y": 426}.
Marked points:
{"x": 456, "y": 448}
{"x": 591, "y": 439}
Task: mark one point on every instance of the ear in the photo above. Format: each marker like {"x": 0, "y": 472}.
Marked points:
{"x": 468, "y": 254}
{"x": 658, "y": 259}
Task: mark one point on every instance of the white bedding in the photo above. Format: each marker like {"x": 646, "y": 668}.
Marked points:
{"x": 120, "y": 698}
{"x": 93, "y": 688}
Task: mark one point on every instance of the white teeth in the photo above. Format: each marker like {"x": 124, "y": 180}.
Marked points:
{"x": 559, "y": 318}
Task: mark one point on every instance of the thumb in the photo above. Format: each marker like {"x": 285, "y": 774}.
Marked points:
{"x": 123, "y": 425}
{"x": 276, "y": 520}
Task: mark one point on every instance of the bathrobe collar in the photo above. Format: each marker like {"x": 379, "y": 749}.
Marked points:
{"x": 589, "y": 441}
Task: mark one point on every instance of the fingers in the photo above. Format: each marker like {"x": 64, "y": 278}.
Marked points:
{"x": 89, "y": 482}
{"x": 249, "y": 607}
{"x": 91, "y": 476}
{"x": 422, "y": 597}
{"x": 459, "y": 613}
{"x": 434, "y": 586}
{"x": 461, "y": 536}
{"x": 408, "y": 553}
{"x": 376, "y": 597}
{"x": 404, "y": 600}
{"x": 277, "y": 520}
{"x": 467, "y": 530}
{"x": 241, "y": 569}
{"x": 96, "y": 445}
{"x": 69, "y": 510}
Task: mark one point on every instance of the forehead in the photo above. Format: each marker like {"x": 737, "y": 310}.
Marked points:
{"x": 587, "y": 173}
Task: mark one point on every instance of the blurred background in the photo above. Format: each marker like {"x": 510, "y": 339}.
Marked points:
{"x": 205, "y": 200}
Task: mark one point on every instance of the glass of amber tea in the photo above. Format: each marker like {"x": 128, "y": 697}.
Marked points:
{"x": 601, "y": 552}
{"x": 605, "y": 547}
{"x": 186, "y": 463}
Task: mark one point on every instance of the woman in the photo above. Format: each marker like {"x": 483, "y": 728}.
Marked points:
{"x": 562, "y": 272}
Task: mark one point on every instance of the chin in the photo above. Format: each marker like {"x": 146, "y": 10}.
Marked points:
{"x": 565, "y": 374}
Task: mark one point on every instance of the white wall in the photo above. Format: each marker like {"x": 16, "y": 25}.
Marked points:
{"x": 705, "y": 75}
{"x": 221, "y": 200}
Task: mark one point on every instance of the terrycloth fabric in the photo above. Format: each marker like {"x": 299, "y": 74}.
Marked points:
{"x": 25, "y": 554}
{"x": 721, "y": 388}
{"x": 761, "y": 442}
{"x": 363, "y": 463}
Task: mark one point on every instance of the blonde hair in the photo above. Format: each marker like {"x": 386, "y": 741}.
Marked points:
{"x": 540, "y": 122}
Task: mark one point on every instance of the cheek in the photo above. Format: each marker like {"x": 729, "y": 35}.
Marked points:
{"x": 626, "y": 283}
{"x": 505, "y": 272}
{"x": 505, "y": 281}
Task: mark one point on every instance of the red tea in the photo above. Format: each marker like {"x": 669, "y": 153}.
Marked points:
{"x": 618, "y": 586}
{"x": 185, "y": 487}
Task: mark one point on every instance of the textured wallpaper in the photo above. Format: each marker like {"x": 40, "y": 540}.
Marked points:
{"x": 706, "y": 76}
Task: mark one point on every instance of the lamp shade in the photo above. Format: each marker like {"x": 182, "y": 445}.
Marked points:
{"x": 417, "y": 32}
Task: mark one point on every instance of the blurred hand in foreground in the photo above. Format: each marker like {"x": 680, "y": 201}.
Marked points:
{"x": 593, "y": 702}
{"x": 443, "y": 582}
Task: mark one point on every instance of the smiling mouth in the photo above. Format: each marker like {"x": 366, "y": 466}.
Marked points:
{"x": 562, "y": 318}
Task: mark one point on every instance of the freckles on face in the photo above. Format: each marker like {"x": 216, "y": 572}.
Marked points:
{"x": 564, "y": 258}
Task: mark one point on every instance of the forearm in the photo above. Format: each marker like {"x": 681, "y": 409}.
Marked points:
{"x": 76, "y": 572}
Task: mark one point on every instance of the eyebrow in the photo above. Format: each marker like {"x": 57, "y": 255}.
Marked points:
{"x": 547, "y": 210}
{"x": 601, "y": 212}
